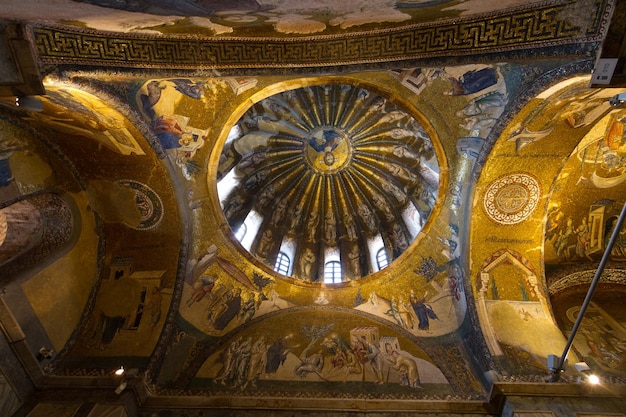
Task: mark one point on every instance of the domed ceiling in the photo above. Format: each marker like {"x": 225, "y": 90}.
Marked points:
{"x": 257, "y": 280}
{"x": 336, "y": 177}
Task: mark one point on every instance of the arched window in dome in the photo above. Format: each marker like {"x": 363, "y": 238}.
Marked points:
{"x": 381, "y": 259}
{"x": 283, "y": 262}
{"x": 241, "y": 232}
{"x": 332, "y": 272}
{"x": 374, "y": 245}
{"x": 252, "y": 224}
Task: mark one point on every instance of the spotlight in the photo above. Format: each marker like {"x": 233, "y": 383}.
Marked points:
{"x": 593, "y": 379}
{"x": 584, "y": 369}
{"x": 120, "y": 371}
{"x": 556, "y": 368}
{"x": 554, "y": 362}
{"x": 45, "y": 353}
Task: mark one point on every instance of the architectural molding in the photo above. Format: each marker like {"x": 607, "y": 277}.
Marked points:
{"x": 539, "y": 26}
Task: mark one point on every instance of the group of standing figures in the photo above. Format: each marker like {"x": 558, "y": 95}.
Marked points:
{"x": 415, "y": 313}
{"x": 244, "y": 362}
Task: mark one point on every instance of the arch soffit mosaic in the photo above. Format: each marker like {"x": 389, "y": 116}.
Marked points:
{"x": 549, "y": 127}
{"x": 558, "y": 125}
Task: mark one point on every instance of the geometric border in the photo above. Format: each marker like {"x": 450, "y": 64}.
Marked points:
{"x": 147, "y": 195}
{"x": 541, "y": 25}
{"x": 609, "y": 276}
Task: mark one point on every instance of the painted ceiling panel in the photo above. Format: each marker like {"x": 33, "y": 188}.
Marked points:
{"x": 455, "y": 213}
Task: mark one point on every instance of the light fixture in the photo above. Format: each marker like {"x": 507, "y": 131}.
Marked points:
{"x": 593, "y": 379}
{"x": 126, "y": 377}
{"x": 45, "y": 353}
{"x": 584, "y": 369}
{"x": 554, "y": 362}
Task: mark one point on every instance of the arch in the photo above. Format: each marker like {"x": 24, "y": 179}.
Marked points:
{"x": 499, "y": 258}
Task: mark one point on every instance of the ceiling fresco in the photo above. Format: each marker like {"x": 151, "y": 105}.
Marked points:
{"x": 388, "y": 237}
{"x": 266, "y": 17}
{"x": 600, "y": 340}
{"x": 337, "y": 156}
{"x": 306, "y": 38}
{"x": 571, "y": 125}
{"x": 236, "y": 321}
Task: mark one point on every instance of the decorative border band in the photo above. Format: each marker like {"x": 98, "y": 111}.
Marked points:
{"x": 542, "y": 25}
{"x": 610, "y": 276}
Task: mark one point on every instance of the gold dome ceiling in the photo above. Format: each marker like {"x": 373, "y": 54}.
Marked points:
{"x": 327, "y": 183}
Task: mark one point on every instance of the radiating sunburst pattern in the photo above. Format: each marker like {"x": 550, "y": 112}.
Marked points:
{"x": 327, "y": 183}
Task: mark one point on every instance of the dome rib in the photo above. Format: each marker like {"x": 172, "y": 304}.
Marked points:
{"x": 329, "y": 171}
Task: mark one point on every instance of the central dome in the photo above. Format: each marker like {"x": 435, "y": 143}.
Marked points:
{"x": 327, "y": 183}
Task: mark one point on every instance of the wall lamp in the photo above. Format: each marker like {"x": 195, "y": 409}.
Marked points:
{"x": 126, "y": 376}
{"x": 556, "y": 368}
{"x": 45, "y": 353}
{"x": 584, "y": 369}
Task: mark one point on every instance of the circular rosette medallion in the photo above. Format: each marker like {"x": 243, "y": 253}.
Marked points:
{"x": 512, "y": 198}
{"x": 148, "y": 203}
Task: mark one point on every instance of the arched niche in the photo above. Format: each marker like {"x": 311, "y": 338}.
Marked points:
{"x": 601, "y": 336}
{"x": 486, "y": 280}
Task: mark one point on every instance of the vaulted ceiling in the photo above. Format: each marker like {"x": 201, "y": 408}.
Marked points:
{"x": 372, "y": 206}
